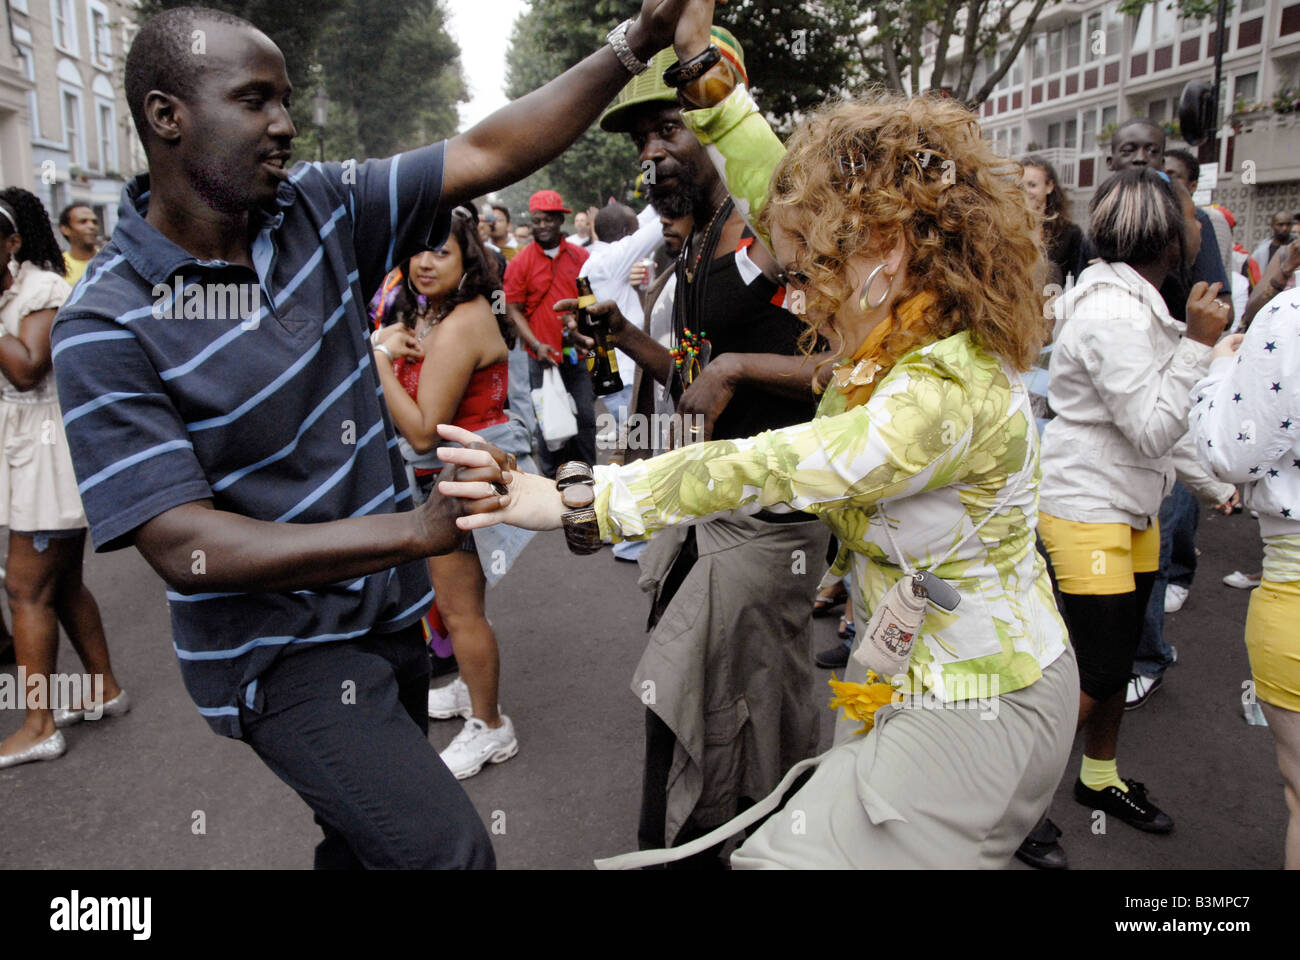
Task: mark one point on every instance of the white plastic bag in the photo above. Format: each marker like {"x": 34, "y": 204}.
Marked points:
{"x": 555, "y": 410}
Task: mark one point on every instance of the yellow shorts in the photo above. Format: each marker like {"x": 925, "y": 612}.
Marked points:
{"x": 1099, "y": 559}
{"x": 1274, "y": 644}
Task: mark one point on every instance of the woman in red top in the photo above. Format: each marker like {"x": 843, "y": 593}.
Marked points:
{"x": 442, "y": 356}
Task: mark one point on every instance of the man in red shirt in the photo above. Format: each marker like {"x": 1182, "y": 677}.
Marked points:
{"x": 540, "y": 274}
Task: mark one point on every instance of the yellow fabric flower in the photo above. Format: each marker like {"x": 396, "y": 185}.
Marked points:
{"x": 860, "y": 701}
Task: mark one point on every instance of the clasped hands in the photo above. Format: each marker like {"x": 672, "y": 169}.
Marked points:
{"x": 482, "y": 471}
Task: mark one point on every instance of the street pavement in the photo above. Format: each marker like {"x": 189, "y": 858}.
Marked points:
{"x": 130, "y": 791}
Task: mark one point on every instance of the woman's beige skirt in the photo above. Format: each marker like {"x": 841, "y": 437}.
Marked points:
{"x": 932, "y": 785}
{"x": 38, "y": 488}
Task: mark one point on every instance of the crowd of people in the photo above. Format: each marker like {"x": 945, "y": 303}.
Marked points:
{"x": 846, "y": 331}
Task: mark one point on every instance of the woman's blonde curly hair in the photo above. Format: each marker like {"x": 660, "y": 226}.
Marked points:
{"x": 858, "y": 174}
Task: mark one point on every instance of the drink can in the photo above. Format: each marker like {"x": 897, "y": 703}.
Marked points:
{"x": 649, "y": 277}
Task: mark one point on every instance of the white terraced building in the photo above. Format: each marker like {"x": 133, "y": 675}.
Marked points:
{"x": 1087, "y": 67}
{"x": 65, "y": 128}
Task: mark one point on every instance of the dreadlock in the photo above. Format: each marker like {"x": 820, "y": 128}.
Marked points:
{"x": 39, "y": 246}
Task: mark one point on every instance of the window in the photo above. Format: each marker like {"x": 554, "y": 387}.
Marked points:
{"x": 1073, "y": 40}
{"x": 1038, "y": 54}
{"x": 1166, "y": 21}
{"x": 28, "y": 67}
{"x": 1246, "y": 89}
{"x": 1071, "y": 133}
{"x": 1114, "y": 23}
{"x": 19, "y": 5}
{"x": 1054, "y": 40}
{"x": 72, "y": 128}
{"x": 107, "y": 140}
{"x": 1015, "y": 142}
{"x": 1248, "y": 5}
{"x": 63, "y": 20}
{"x": 1156, "y": 110}
{"x": 1095, "y": 40}
{"x": 1087, "y": 135}
{"x": 1109, "y": 115}
{"x": 1053, "y": 136}
{"x": 101, "y": 38}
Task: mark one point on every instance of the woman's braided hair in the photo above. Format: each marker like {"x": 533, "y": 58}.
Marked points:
{"x": 39, "y": 246}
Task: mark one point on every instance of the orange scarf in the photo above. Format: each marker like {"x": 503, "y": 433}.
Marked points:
{"x": 857, "y": 376}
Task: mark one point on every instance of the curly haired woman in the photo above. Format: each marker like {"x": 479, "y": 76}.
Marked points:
{"x": 910, "y": 242}
{"x": 38, "y": 490}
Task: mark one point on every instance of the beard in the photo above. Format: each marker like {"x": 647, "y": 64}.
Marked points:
{"x": 682, "y": 197}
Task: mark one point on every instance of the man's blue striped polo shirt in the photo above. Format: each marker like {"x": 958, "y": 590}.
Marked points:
{"x": 185, "y": 380}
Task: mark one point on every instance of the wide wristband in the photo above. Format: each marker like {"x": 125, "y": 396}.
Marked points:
{"x": 576, "y": 482}
{"x": 680, "y": 74}
{"x": 709, "y": 89}
{"x": 582, "y": 530}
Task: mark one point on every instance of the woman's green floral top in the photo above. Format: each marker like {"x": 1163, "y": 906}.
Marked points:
{"x": 947, "y": 437}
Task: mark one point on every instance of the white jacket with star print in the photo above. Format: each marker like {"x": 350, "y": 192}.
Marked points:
{"x": 1245, "y": 417}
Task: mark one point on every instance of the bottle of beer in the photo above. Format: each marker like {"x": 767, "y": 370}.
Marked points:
{"x": 601, "y": 362}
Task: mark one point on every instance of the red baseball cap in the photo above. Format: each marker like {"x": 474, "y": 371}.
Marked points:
{"x": 547, "y": 201}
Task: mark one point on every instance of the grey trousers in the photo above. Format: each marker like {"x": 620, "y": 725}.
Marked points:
{"x": 931, "y": 786}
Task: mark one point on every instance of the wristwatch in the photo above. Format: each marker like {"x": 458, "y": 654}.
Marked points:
{"x": 617, "y": 38}
{"x": 576, "y": 483}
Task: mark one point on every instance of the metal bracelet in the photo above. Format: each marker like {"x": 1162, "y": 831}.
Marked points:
{"x": 617, "y": 38}
{"x": 571, "y": 472}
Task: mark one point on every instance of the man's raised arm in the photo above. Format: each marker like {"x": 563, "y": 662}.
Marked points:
{"x": 527, "y": 133}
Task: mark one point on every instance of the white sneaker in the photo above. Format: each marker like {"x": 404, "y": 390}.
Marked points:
{"x": 478, "y": 744}
{"x": 1175, "y": 597}
{"x": 450, "y": 701}
{"x": 1242, "y": 581}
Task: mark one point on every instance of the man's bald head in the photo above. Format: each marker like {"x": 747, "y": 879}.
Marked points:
{"x": 165, "y": 55}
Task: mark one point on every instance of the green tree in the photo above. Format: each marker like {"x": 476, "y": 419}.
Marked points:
{"x": 972, "y": 32}
{"x": 392, "y": 72}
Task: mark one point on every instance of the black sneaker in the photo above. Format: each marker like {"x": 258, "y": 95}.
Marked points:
{"x": 1134, "y": 808}
{"x": 836, "y": 658}
{"x": 1042, "y": 848}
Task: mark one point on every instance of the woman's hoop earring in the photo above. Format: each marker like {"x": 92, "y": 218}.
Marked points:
{"x": 864, "y": 304}
{"x": 461, "y": 285}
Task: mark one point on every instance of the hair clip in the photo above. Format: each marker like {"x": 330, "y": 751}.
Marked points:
{"x": 852, "y": 163}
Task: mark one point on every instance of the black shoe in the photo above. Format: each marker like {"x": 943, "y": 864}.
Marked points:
{"x": 1041, "y": 848}
{"x": 836, "y": 658}
{"x": 1133, "y": 807}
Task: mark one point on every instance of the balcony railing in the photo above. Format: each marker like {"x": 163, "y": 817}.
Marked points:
{"x": 1270, "y": 142}
{"x": 1066, "y": 162}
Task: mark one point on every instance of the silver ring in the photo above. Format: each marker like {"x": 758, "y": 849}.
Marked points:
{"x": 499, "y": 488}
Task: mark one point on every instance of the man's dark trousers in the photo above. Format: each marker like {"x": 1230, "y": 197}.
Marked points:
{"x": 577, "y": 380}
{"x": 346, "y": 725}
